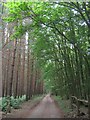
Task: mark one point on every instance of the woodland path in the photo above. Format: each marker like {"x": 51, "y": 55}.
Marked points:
{"x": 46, "y": 108}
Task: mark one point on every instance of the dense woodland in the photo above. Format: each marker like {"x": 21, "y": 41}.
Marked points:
{"x": 46, "y": 47}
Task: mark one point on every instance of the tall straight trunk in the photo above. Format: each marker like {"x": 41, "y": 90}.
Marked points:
{"x": 28, "y": 73}
{"x": 2, "y": 35}
{"x": 4, "y": 76}
{"x": 17, "y": 91}
{"x": 35, "y": 84}
{"x": 31, "y": 78}
{"x": 23, "y": 70}
{"x": 17, "y": 74}
{"x": 7, "y": 79}
{"x": 12, "y": 69}
{"x": 19, "y": 71}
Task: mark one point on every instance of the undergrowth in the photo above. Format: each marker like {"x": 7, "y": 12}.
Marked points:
{"x": 14, "y": 102}
{"x": 63, "y": 104}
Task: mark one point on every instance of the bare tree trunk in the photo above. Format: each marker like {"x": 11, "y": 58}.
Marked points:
{"x": 12, "y": 70}
{"x": 7, "y": 80}
{"x": 22, "y": 68}
{"x": 28, "y": 73}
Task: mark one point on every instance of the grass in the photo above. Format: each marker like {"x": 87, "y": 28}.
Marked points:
{"x": 37, "y": 98}
{"x": 63, "y": 104}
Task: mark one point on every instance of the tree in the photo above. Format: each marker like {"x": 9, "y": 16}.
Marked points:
{"x": 59, "y": 41}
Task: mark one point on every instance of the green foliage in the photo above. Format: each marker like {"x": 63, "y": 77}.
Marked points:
{"x": 59, "y": 40}
{"x": 4, "y": 104}
{"x": 15, "y": 103}
{"x": 64, "y": 104}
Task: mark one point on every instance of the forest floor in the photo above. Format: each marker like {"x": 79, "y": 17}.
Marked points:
{"x": 46, "y": 108}
{"x": 68, "y": 112}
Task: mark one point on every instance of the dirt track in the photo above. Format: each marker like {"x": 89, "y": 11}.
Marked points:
{"x": 46, "y": 109}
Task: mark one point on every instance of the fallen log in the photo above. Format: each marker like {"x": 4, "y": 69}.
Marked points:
{"x": 77, "y": 103}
